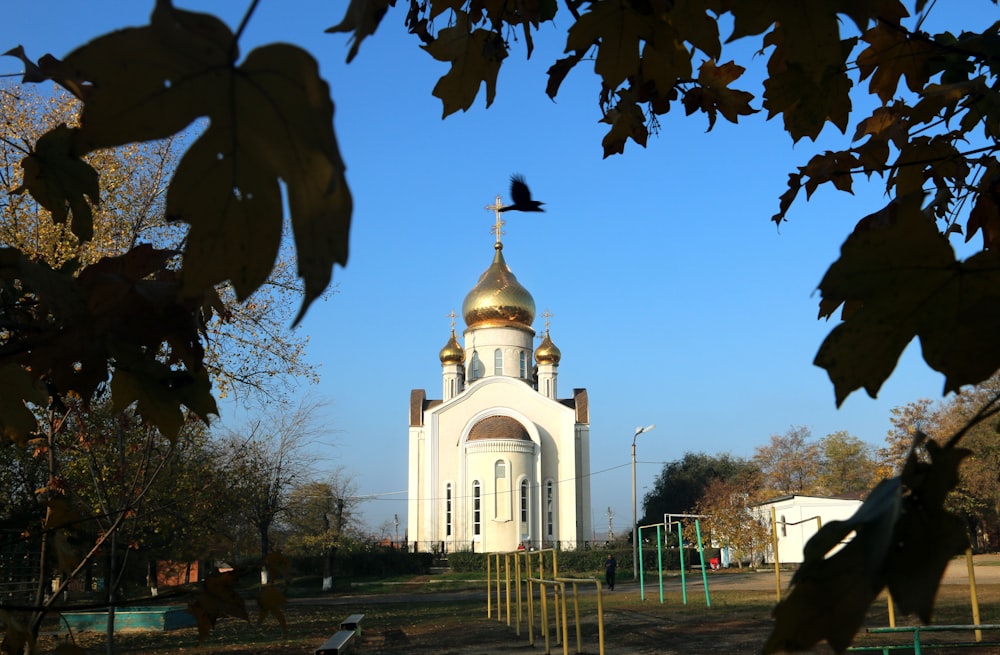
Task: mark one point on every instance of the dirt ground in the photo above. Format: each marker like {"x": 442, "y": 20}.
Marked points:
{"x": 632, "y": 629}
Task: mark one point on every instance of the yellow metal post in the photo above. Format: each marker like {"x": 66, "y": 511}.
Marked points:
{"x": 974, "y": 597}
{"x": 565, "y": 631}
{"x": 506, "y": 577}
{"x": 777, "y": 567}
{"x": 892, "y": 609}
{"x": 542, "y": 593}
{"x": 497, "y": 556}
{"x": 600, "y": 617}
{"x": 517, "y": 577}
{"x": 531, "y": 613}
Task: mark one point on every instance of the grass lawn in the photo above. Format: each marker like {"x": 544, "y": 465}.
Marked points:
{"x": 428, "y": 618}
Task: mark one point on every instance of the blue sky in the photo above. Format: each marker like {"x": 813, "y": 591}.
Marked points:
{"x": 676, "y": 301}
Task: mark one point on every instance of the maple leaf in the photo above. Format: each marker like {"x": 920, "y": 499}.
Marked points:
{"x": 110, "y": 316}
{"x": 835, "y": 167}
{"x": 618, "y": 29}
{"x": 270, "y": 600}
{"x": 891, "y": 54}
{"x": 715, "y": 96}
{"x": 664, "y": 64}
{"x": 475, "y": 58}
{"x": 904, "y": 276}
{"x": 903, "y": 539}
{"x": 218, "y": 599}
{"x": 627, "y": 122}
{"x": 558, "y": 71}
{"x": 886, "y": 125}
{"x": 60, "y": 181}
{"x": 985, "y": 214}
{"x": 807, "y": 80}
{"x": 32, "y": 72}
{"x": 362, "y": 17}
{"x": 270, "y": 119}
{"x": 17, "y": 387}
{"x": 927, "y": 536}
{"x": 17, "y": 637}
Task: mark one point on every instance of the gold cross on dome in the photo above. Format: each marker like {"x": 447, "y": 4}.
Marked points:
{"x": 498, "y": 228}
{"x": 452, "y": 316}
{"x": 547, "y": 315}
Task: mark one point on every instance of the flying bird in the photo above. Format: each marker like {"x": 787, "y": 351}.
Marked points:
{"x": 521, "y": 195}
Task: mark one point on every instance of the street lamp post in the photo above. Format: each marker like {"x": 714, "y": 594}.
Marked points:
{"x": 635, "y": 525}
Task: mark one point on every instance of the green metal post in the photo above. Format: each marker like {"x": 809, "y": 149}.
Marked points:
{"x": 680, "y": 549}
{"x": 642, "y": 582}
{"x": 701, "y": 551}
{"x": 659, "y": 559}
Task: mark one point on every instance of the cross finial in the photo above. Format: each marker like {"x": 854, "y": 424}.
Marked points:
{"x": 498, "y": 228}
{"x": 547, "y": 315}
{"x": 452, "y": 316}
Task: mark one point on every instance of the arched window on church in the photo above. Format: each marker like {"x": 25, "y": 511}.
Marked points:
{"x": 476, "y": 509}
{"x": 524, "y": 506}
{"x": 501, "y": 499}
{"x": 497, "y": 362}
{"x": 523, "y": 364}
{"x": 476, "y": 370}
{"x": 447, "y": 509}
{"x": 549, "y": 508}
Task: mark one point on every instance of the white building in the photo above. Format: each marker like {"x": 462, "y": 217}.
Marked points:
{"x": 500, "y": 460}
{"x": 798, "y": 518}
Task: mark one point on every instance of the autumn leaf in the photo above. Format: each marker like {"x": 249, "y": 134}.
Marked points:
{"x": 627, "y": 122}
{"x": 890, "y": 55}
{"x": 270, "y": 600}
{"x": 72, "y": 331}
{"x": 927, "y": 535}
{"x": 16, "y": 636}
{"x": 475, "y": 57}
{"x": 68, "y": 648}
{"x": 362, "y": 18}
{"x": 714, "y": 96}
{"x": 17, "y": 388}
{"x": 270, "y": 120}
{"x": 618, "y": 29}
{"x": 904, "y": 275}
{"x": 61, "y": 182}
{"x": 278, "y": 564}
{"x": 218, "y": 599}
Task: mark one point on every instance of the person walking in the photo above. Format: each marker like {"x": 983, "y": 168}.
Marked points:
{"x": 610, "y": 565}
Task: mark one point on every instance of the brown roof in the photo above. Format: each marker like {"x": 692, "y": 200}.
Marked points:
{"x": 498, "y": 427}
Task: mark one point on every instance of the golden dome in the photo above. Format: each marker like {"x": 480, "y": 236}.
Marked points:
{"x": 498, "y": 298}
{"x": 452, "y": 353}
{"x": 547, "y": 353}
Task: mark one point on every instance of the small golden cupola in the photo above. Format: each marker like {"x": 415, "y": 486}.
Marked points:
{"x": 452, "y": 353}
{"x": 547, "y": 352}
{"x": 498, "y": 299}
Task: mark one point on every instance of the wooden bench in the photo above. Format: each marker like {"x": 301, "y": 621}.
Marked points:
{"x": 341, "y": 640}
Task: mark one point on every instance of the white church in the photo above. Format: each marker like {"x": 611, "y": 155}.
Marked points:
{"x": 500, "y": 461}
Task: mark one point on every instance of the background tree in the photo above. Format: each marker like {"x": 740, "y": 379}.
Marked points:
{"x": 789, "y": 463}
{"x": 321, "y": 515}
{"x": 728, "y": 517}
{"x": 682, "y": 483}
{"x": 907, "y": 421}
{"x": 266, "y": 461}
{"x": 847, "y": 465}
